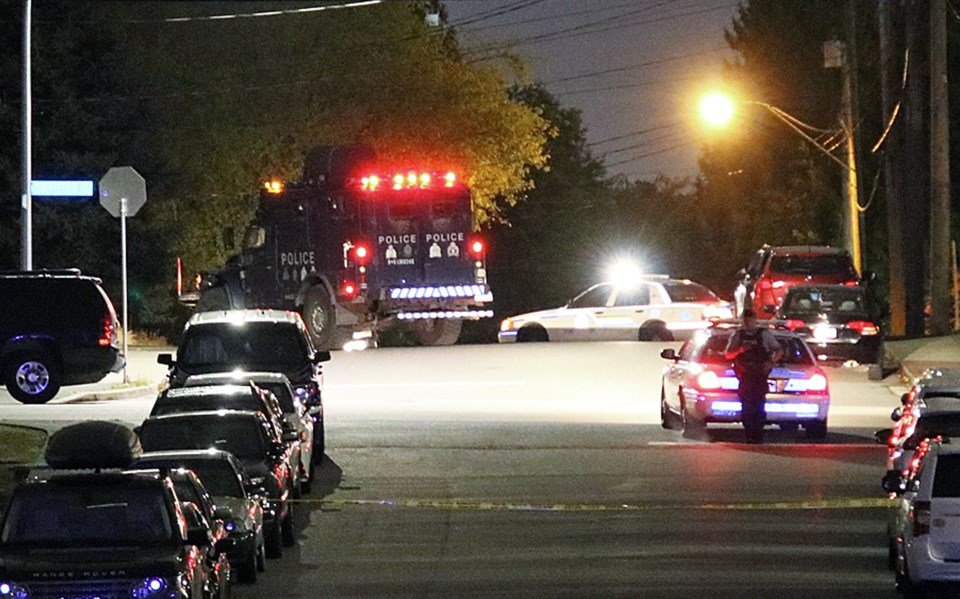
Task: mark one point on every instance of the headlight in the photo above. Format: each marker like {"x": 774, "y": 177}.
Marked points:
{"x": 9, "y": 590}
{"x": 506, "y": 325}
{"x": 153, "y": 587}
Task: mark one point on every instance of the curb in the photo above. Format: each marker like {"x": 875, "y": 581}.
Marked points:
{"x": 111, "y": 394}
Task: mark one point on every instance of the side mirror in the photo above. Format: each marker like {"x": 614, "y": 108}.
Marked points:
{"x": 321, "y": 356}
{"x": 198, "y": 531}
{"x": 669, "y": 354}
{"x": 289, "y": 436}
{"x": 165, "y": 359}
{"x": 896, "y": 414}
{"x": 904, "y": 398}
{"x": 894, "y": 482}
{"x": 882, "y": 436}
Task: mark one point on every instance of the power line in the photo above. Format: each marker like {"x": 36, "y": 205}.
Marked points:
{"x": 635, "y": 133}
{"x": 649, "y": 154}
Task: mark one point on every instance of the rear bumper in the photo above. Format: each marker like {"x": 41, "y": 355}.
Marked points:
{"x": 90, "y": 364}
{"x": 925, "y": 565}
{"x": 779, "y": 407}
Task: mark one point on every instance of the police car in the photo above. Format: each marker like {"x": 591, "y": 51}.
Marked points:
{"x": 699, "y": 386}
{"x": 653, "y": 308}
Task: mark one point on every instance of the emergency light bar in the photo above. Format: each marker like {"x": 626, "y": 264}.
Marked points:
{"x": 408, "y": 180}
{"x": 466, "y": 314}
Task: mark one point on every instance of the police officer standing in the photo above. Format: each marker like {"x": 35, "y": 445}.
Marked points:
{"x": 753, "y": 351}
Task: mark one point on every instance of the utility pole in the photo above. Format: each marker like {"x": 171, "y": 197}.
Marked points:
{"x": 850, "y": 119}
{"x": 26, "y": 200}
{"x": 940, "y": 261}
{"x": 890, "y": 48}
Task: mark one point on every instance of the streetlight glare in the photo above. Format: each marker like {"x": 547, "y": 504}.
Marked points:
{"x": 716, "y": 109}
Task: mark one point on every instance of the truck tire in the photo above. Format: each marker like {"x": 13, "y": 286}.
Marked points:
{"x": 438, "y": 331}
{"x": 32, "y": 377}
{"x": 319, "y": 316}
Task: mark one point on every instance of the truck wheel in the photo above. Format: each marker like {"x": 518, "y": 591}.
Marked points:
{"x": 319, "y": 316}
{"x": 439, "y": 331}
{"x": 32, "y": 377}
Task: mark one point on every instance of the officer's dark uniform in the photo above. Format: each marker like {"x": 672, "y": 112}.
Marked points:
{"x": 753, "y": 351}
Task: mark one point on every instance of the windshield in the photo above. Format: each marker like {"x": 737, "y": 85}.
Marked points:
{"x": 689, "y": 292}
{"x": 839, "y": 299}
{"x": 88, "y": 516}
{"x": 253, "y": 345}
{"x": 241, "y": 437}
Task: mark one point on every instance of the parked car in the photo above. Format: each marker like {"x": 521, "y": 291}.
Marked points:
{"x": 102, "y": 533}
{"x": 254, "y": 340}
{"x": 772, "y": 270}
{"x": 927, "y": 521}
{"x": 295, "y": 412}
{"x": 252, "y": 439}
{"x": 57, "y": 327}
{"x": 209, "y": 398}
{"x": 699, "y": 386}
{"x": 654, "y": 308}
{"x": 834, "y": 321}
{"x": 228, "y": 484}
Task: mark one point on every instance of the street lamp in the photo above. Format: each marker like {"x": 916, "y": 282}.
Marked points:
{"x": 718, "y": 110}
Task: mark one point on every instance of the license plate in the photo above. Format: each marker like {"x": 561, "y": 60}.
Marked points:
{"x": 824, "y": 332}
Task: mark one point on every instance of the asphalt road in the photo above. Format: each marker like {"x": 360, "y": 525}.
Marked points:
{"x": 542, "y": 471}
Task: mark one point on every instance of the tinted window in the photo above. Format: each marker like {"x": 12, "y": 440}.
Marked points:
{"x": 689, "y": 292}
{"x": 217, "y": 476}
{"x": 206, "y": 403}
{"x": 946, "y": 481}
{"x": 283, "y": 395}
{"x": 267, "y": 346}
{"x": 87, "y": 516}
{"x": 812, "y": 265}
{"x": 241, "y": 437}
{"x": 595, "y": 297}
{"x": 794, "y": 350}
{"x": 633, "y": 296}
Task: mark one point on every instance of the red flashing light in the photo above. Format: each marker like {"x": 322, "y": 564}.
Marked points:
{"x": 348, "y": 289}
{"x": 793, "y": 324}
{"x": 450, "y": 179}
{"x": 477, "y": 247}
{"x": 863, "y": 327}
{"x": 370, "y": 183}
{"x": 851, "y": 283}
{"x": 412, "y": 179}
{"x": 361, "y": 253}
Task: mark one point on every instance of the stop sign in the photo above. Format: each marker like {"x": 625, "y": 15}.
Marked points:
{"x": 122, "y": 182}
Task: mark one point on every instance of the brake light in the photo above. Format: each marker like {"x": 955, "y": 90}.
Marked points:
{"x": 920, "y": 514}
{"x": 708, "y": 380}
{"x": 863, "y": 327}
{"x": 793, "y": 324}
{"x": 851, "y": 283}
{"x": 817, "y": 382}
{"x": 106, "y": 336}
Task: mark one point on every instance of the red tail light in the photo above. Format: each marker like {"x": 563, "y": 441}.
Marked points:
{"x": 851, "y": 283}
{"x": 863, "y": 327}
{"x": 920, "y": 514}
{"x": 349, "y": 289}
{"x": 477, "y": 248}
{"x": 793, "y": 324}
{"x": 106, "y": 336}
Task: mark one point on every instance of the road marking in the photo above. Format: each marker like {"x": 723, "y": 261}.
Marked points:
{"x": 433, "y": 384}
{"x": 500, "y": 506}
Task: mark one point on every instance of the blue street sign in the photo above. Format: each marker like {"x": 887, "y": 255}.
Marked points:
{"x": 63, "y": 189}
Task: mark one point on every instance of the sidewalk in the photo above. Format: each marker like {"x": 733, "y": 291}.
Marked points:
{"x": 917, "y": 355}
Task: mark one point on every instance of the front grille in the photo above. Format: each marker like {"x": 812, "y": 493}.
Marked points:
{"x": 82, "y": 589}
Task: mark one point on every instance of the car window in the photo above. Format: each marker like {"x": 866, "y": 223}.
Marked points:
{"x": 243, "y": 438}
{"x": 714, "y": 349}
{"x": 946, "y": 478}
{"x": 595, "y": 297}
{"x": 812, "y": 265}
{"x": 283, "y": 395}
{"x": 795, "y": 352}
{"x": 638, "y": 295}
{"x": 848, "y": 299}
{"x": 689, "y": 292}
{"x": 87, "y": 516}
{"x": 218, "y": 477}
{"x": 254, "y": 344}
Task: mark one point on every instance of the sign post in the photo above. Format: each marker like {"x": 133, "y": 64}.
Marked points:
{"x": 122, "y": 193}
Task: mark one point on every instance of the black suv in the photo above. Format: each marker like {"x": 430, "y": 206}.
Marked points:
{"x": 57, "y": 328}
{"x": 254, "y": 441}
{"x": 254, "y": 340}
{"x": 102, "y": 533}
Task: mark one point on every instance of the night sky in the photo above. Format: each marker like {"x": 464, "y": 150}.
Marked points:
{"x": 634, "y": 68}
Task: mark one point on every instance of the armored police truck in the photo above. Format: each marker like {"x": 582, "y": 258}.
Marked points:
{"x": 356, "y": 250}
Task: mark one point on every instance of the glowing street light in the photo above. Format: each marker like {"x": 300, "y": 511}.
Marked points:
{"x": 717, "y": 109}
